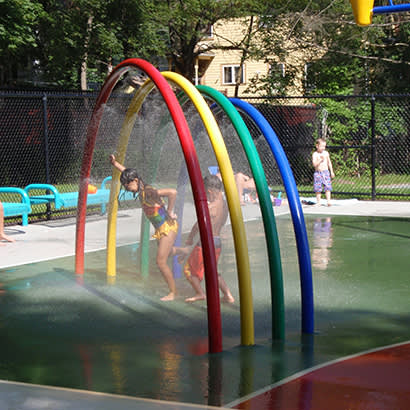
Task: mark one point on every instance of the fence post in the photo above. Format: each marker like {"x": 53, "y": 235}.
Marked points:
{"x": 46, "y": 149}
{"x": 373, "y": 147}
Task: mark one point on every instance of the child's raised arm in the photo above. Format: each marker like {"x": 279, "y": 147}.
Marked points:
{"x": 115, "y": 163}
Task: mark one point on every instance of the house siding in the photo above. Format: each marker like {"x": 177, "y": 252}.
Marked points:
{"x": 228, "y": 32}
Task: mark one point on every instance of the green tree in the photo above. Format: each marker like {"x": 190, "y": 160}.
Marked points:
{"x": 18, "y": 18}
{"x": 344, "y": 58}
{"x": 136, "y": 29}
{"x": 186, "y": 22}
{"x": 388, "y": 53}
{"x": 72, "y": 38}
{"x": 73, "y": 42}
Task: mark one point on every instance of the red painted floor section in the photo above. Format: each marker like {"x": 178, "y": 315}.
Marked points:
{"x": 372, "y": 381}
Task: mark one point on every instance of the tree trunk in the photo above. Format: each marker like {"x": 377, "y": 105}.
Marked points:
{"x": 243, "y": 57}
{"x": 83, "y": 74}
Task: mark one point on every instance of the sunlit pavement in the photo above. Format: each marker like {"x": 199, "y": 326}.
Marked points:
{"x": 56, "y": 238}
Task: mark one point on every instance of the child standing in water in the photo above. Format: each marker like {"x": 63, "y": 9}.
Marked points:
{"x": 159, "y": 214}
{"x": 323, "y": 172}
{"x": 194, "y": 267}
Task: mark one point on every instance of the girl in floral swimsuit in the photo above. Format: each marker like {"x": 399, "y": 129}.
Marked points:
{"x": 159, "y": 214}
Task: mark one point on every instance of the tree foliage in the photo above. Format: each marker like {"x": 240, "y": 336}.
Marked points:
{"x": 66, "y": 39}
{"x": 343, "y": 58}
{"x": 186, "y": 22}
{"x": 18, "y": 19}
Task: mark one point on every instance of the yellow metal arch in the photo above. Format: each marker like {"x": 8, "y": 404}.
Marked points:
{"x": 238, "y": 228}
{"x": 122, "y": 145}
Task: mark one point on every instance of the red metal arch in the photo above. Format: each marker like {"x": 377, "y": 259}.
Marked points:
{"x": 194, "y": 171}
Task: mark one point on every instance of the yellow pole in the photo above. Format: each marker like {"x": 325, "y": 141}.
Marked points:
{"x": 362, "y": 11}
{"x": 122, "y": 145}
{"x": 232, "y": 196}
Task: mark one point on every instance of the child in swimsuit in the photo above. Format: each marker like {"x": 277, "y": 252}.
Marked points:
{"x": 194, "y": 267}
{"x": 161, "y": 216}
{"x": 323, "y": 171}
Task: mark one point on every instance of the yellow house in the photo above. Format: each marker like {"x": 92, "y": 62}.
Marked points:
{"x": 217, "y": 66}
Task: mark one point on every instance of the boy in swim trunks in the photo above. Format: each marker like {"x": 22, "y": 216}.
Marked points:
{"x": 194, "y": 267}
{"x": 243, "y": 183}
{"x": 323, "y": 172}
{"x": 161, "y": 216}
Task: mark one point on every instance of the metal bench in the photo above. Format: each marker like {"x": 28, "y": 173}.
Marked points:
{"x": 22, "y": 208}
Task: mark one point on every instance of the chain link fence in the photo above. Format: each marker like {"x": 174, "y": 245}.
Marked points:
{"x": 368, "y": 137}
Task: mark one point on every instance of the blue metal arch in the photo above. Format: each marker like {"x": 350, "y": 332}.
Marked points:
{"x": 295, "y": 206}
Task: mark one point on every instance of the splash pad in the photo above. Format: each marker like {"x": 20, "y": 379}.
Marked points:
{"x": 164, "y": 82}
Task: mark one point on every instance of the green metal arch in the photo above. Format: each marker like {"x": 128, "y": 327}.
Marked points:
{"x": 271, "y": 234}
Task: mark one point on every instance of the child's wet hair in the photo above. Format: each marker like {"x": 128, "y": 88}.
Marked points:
{"x": 213, "y": 182}
{"x": 128, "y": 175}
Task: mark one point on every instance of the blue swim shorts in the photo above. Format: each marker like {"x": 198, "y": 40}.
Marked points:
{"x": 322, "y": 179}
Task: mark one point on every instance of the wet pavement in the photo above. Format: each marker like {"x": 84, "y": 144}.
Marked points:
{"x": 56, "y": 238}
{"x": 45, "y": 306}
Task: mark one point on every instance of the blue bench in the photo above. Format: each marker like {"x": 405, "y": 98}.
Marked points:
{"x": 70, "y": 199}
{"x": 22, "y": 208}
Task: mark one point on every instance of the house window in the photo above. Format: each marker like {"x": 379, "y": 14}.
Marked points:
{"x": 210, "y": 31}
{"x": 277, "y": 70}
{"x": 230, "y": 73}
{"x": 277, "y": 75}
{"x": 207, "y": 31}
{"x": 310, "y": 77}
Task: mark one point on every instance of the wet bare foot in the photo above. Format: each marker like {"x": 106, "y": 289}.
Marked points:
{"x": 329, "y": 204}
{"x": 6, "y": 238}
{"x": 228, "y": 299}
{"x": 195, "y": 298}
{"x": 169, "y": 297}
